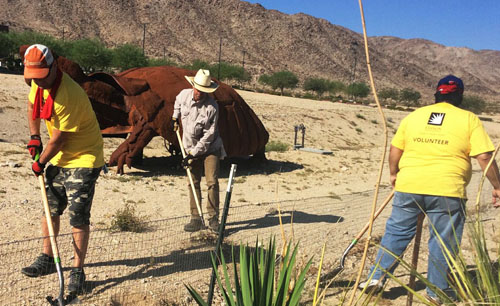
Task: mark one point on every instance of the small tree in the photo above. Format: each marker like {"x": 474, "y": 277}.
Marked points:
{"x": 199, "y": 64}
{"x": 335, "y": 87}
{"x": 389, "y": 93}
{"x": 474, "y": 104}
{"x": 128, "y": 56}
{"x": 153, "y": 62}
{"x": 410, "y": 97}
{"x": 231, "y": 72}
{"x": 29, "y": 38}
{"x": 90, "y": 54}
{"x": 8, "y": 46}
{"x": 359, "y": 90}
{"x": 282, "y": 79}
{"x": 317, "y": 85}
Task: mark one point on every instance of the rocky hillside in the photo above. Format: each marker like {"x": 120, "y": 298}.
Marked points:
{"x": 184, "y": 30}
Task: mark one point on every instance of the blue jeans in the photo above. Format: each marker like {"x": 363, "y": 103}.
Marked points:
{"x": 447, "y": 214}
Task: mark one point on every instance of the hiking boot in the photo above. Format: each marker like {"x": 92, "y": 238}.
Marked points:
{"x": 76, "y": 280}
{"x": 194, "y": 225}
{"x": 213, "y": 223}
{"x": 373, "y": 286}
{"x": 43, "y": 265}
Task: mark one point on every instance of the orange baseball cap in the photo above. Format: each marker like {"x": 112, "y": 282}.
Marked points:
{"x": 37, "y": 61}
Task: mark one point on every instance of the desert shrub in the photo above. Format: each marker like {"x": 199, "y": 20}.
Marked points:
{"x": 126, "y": 219}
{"x": 409, "y": 97}
{"x": 153, "y": 62}
{"x": 128, "y": 56}
{"x": 360, "y": 116}
{"x": 319, "y": 86}
{"x": 308, "y": 95}
{"x": 389, "y": 93}
{"x": 257, "y": 282}
{"x": 359, "y": 90}
{"x": 276, "y": 146}
{"x": 230, "y": 72}
{"x": 474, "y": 104}
{"x": 198, "y": 64}
{"x": 90, "y": 54}
{"x": 280, "y": 80}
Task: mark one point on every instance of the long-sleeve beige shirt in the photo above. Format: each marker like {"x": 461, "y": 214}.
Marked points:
{"x": 200, "y": 134}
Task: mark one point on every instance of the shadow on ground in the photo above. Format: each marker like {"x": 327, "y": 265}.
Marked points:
{"x": 270, "y": 220}
{"x": 171, "y": 165}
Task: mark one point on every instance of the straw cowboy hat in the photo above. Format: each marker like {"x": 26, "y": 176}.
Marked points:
{"x": 202, "y": 81}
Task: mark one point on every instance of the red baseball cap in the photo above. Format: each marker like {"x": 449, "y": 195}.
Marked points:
{"x": 37, "y": 61}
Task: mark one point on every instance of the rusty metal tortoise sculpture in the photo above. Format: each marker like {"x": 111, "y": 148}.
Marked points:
{"x": 140, "y": 101}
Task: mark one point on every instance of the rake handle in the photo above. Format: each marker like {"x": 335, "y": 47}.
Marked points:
{"x": 190, "y": 177}
{"x": 365, "y": 228}
{"x": 53, "y": 241}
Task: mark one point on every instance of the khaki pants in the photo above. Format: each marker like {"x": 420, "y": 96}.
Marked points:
{"x": 210, "y": 163}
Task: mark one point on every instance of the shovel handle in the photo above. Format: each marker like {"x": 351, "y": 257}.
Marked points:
{"x": 48, "y": 217}
{"x": 190, "y": 177}
{"x": 377, "y": 213}
{"x": 365, "y": 228}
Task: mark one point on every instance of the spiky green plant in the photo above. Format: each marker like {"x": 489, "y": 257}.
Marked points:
{"x": 257, "y": 283}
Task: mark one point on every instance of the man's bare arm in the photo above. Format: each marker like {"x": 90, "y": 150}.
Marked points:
{"x": 394, "y": 157}
{"x": 34, "y": 125}
{"x": 493, "y": 175}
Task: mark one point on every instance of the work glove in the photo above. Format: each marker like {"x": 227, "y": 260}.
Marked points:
{"x": 37, "y": 167}
{"x": 174, "y": 124}
{"x": 186, "y": 161}
{"x": 35, "y": 146}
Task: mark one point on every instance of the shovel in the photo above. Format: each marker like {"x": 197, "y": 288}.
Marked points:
{"x": 355, "y": 240}
{"x": 53, "y": 243}
{"x": 188, "y": 170}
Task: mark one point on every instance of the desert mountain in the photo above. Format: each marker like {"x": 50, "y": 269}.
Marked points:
{"x": 267, "y": 40}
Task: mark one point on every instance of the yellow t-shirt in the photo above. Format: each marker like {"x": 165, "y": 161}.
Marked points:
{"x": 438, "y": 141}
{"x": 73, "y": 113}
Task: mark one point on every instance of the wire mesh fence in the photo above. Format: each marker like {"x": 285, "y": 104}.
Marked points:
{"x": 153, "y": 266}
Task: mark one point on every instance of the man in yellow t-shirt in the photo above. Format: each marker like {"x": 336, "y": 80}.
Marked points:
{"x": 430, "y": 167}
{"x": 74, "y": 151}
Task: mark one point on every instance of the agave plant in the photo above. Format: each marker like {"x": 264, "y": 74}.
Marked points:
{"x": 257, "y": 283}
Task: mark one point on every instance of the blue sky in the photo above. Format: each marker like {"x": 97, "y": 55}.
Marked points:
{"x": 461, "y": 23}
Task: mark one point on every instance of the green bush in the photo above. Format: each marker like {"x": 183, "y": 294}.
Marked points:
{"x": 409, "y": 97}
{"x": 154, "y": 62}
{"x": 128, "y": 56}
{"x": 359, "y": 90}
{"x": 198, "y": 64}
{"x": 257, "y": 283}
{"x": 280, "y": 80}
{"x": 317, "y": 85}
{"x": 389, "y": 93}
{"x": 90, "y": 54}
{"x": 276, "y": 146}
{"x": 474, "y": 104}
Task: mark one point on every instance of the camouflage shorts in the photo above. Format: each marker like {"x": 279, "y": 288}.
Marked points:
{"x": 73, "y": 186}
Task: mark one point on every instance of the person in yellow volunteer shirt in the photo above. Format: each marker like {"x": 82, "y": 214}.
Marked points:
{"x": 430, "y": 167}
{"x": 74, "y": 151}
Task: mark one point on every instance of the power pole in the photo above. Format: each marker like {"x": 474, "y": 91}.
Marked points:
{"x": 63, "y": 34}
{"x": 143, "y": 37}
{"x": 220, "y": 51}
{"x": 243, "y": 63}
{"x": 354, "y": 44}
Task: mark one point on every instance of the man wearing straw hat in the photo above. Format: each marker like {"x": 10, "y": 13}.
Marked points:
{"x": 73, "y": 155}
{"x": 430, "y": 167}
{"x": 199, "y": 114}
